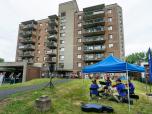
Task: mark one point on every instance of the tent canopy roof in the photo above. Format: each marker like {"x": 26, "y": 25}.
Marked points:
{"x": 112, "y": 64}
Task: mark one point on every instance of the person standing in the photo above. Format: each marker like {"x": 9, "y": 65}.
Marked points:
{"x": 1, "y": 78}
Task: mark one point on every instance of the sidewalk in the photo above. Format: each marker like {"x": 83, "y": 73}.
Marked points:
{"x": 6, "y": 93}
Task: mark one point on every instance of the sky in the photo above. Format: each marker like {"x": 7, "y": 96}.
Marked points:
{"x": 136, "y": 20}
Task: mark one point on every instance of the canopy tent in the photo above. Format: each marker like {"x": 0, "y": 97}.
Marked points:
{"x": 112, "y": 64}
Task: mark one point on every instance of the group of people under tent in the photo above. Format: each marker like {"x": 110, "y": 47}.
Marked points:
{"x": 107, "y": 87}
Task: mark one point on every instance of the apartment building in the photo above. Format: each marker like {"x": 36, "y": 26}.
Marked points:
{"x": 73, "y": 39}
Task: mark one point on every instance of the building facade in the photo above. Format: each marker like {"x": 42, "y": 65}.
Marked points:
{"x": 73, "y": 39}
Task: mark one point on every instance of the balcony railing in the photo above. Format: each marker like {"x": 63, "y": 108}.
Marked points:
{"x": 27, "y": 47}
{"x": 52, "y": 37}
{"x": 94, "y": 50}
{"x": 53, "y": 30}
{"x": 51, "y": 60}
{"x": 27, "y": 55}
{"x": 27, "y": 33}
{"x": 93, "y": 58}
{"x": 94, "y": 22}
{"x": 94, "y": 14}
{"x": 51, "y": 53}
{"x": 53, "y": 22}
{"x": 27, "y": 41}
{"x": 29, "y": 27}
{"x": 94, "y": 31}
{"x": 95, "y": 40}
{"x": 51, "y": 45}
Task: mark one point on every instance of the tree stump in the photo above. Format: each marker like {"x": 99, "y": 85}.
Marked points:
{"x": 43, "y": 103}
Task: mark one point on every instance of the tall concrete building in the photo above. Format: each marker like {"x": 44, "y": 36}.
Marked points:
{"x": 72, "y": 39}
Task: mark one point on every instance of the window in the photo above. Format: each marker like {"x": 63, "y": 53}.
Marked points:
{"x": 37, "y": 58}
{"x": 38, "y": 44}
{"x": 79, "y": 40}
{"x": 79, "y": 32}
{"x": 79, "y": 64}
{"x": 110, "y": 28}
{"x": 44, "y": 58}
{"x": 62, "y": 49}
{"x": 63, "y": 20}
{"x": 63, "y": 14}
{"x": 62, "y": 34}
{"x": 80, "y": 17}
{"x": 110, "y": 19}
{"x": 79, "y": 56}
{"x": 109, "y": 11}
{"x": 110, "y": 45}
{"x": 111, "y": 53}
{"x": 61, "y": 57}
{"x": 79, "y": 48}
{"x": 79, "y": 24}
{"x": 61, "y": 41}
{"x": 40, "y": 25}
{"x": 38, "y": 51}
{"x": 46, "y": 30}
{"x": 62, "y": 27}
{"x": 110, "y": 36}
{"x": 39, "y": 37}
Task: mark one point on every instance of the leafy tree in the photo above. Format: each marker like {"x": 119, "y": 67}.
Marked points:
{"x": 1, "y": 60}
{"x": 136, "y": 57}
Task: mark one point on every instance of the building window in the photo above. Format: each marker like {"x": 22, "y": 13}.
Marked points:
{"x": 62, "y": 49}
{"x": 79, "y": 39}
{"x": 111, "y": 53}
{"x": 80, "y": 17}
{"x": 62, "y": 27}
{"x": 79, "y": 64}
{"x": 110, "y": 45}
{"x": 110, "y": 28}
{"x": 79, "y": 24}
{"x": 79, "y": 47}
{"x": 44, "y": 58}
{"x": 46, "y": 30}
{"x": 110, "y": 36}
{"x": 39, "y": 37}
{"x": 62, "y": 34}
{"x": 40, "y": 25}
{"x": 61, "y": 57}
{"x": 39, "y": 44}
{"x": 110, "y": 19}
{"x": 37, "y": 59}
{"x": 109, "y": 11}
{"x": 63, "y": 14}
{"x": 61, "y": 41}
{"x": 39, "y": 51}
{"x": 79, "y": 56}
{"x": 79, "y": 32}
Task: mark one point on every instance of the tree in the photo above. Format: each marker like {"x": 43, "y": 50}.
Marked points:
{"x": 1, "y": 60}
{"x": 137, "y": 57}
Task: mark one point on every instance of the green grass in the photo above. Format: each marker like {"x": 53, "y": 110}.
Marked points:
{"x": 66, "y": 99}
{"x": 28, "y": 83}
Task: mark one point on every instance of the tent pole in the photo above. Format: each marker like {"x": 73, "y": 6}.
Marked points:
{"x": 128, "y": 87}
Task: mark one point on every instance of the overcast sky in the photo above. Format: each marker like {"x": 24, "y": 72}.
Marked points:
{"x": 137, "y": 18}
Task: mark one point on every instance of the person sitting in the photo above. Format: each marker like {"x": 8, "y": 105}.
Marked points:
{"x": 107, "y": 84}
{"x": 94, "y": 88}
{"x": 121, "y": 89}
{"x": 131, "y": 88}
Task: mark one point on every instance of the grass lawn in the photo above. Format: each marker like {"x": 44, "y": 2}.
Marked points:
{"x": 66, "y": 99}
{"x": 28, "y": 83}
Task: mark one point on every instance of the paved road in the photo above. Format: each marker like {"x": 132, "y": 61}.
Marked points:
{"x": 6, "y": 93}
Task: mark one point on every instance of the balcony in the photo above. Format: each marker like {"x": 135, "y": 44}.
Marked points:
{"x": 29, "y": 27}
{"x": 94, "y": 31}
{"x": 95, "y": 22}
{"x": 51, "y": 60}
{"x": 52, "y": 38}
{"x": 51, "y": 53}
{"x": 94, "y": 14}
{"x": 53, "y": 30}
{"x": 53, "y": 22}
{"x": 27, "y": 55}
{"x": 27, "y": 47}
{"x": 30, "y": 61}
{"x": 51, "y": 45}
{"x": 94, "y": 50}
{"x": 94, "y": 40}
{"x": 27, "y": 41}
{"x": 27, "y": 34}
{"x": 93, "y": 58}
